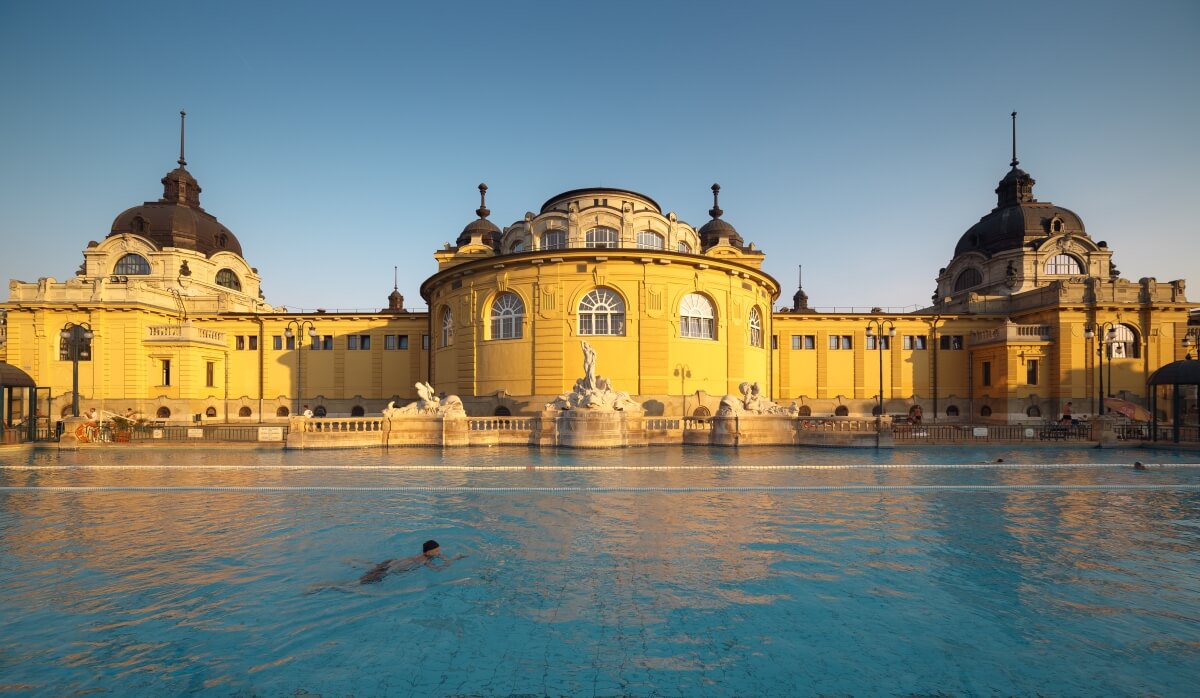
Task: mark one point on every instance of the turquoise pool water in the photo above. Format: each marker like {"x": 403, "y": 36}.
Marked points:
{"x": 652, "y": 572}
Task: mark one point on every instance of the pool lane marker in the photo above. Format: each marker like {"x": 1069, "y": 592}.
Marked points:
{"x": 451, "y": 488}
{"x": 588, "y": 468}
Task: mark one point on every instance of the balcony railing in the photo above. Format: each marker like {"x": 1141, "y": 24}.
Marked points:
{"x": 185, "y": 333}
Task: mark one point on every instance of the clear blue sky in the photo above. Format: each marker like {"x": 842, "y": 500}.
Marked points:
{"x": 338, "y": 140}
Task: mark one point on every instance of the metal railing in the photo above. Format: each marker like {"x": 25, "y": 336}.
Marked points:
{"x": 959, "y": 433}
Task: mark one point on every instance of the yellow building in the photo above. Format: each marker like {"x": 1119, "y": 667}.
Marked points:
{"x": 175, "y": 327}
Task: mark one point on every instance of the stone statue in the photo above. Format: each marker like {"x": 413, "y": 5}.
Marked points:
{"x": 752, "y": 402}
{"x": 429, "y": 403}
{"x": 589, "y": 366}
{"x": 593, "y": 391}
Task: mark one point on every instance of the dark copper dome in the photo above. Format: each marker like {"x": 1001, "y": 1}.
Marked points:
{"x": 712, "y": 231}
{"x": 177, "y": 220}
{"x": 488, "y": 232}
{"x": 1017, "y": 219}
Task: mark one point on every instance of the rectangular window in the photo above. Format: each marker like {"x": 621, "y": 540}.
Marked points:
{"x": 987, "y": 372}
{"x": 403, "y": 339}
{"x": 1031, "y": 372}
{"x": 327, "y": 342}
{"x": 795, "y": 342}
{"x": 920, "y": 342}
{"x": 166, "y": 372}
{"x": 804, "y": 342}
{"x": 316, "y": 343}
{"x": 810, "y": 341}
{"x": 835, "y": 342}
{"x": 847, "y": 343}
{"x": 425, "y": 342}
{"x": 364, "y": 341}
{"x": 352, "y": 342}
{"x": 951, "y": 342}
{"x": 774, "y": 341}
{"x": 253, "y": 342}
{"x": 277, "y": 343}
{"x": 210, "y": 374}
{"x": 239, "y": 343}
{"x": 290, "y": 344}
{"x": 885, "y": 340}
{"x": 389, "y": 342}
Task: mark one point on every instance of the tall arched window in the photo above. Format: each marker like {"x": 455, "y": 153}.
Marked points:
{"x": 682, "y": 246}
{"x": 647, "y": 240}
{"x": 447, "y": 327}
{"x": 508, "y": 311}
{"x": 696, "y": 317}
{"x": 228, "y": 279}
{"x": 1063, "y": 264}
{"x": 756, "y": 333}
{"x": 518, "y": 246}
{"x": 1124, "y": 343}
{"x": 132, "y": 265}
{"x": 601, "y": 237}
{"x": 602, "y": 312}
{"x": 969, "y": 278}
{"x": 554, "y": 240}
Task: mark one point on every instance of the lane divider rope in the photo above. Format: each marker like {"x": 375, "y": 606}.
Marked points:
{"x": 581, "y": 468}
{"x": 452, "y": 488}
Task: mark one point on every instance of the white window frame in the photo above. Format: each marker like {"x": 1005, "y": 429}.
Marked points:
{"x": 508, "y": 315}
{"x": 602, "y": 238}
{"x": 650, "y": 240}
{"x": 697, "y": 317}
{"x": 756, "y": 329}
{"x": 602, "y": 312}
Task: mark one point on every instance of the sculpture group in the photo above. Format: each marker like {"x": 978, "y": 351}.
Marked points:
{"x": 429, "y": 403}
{"x": 593, "y": 391}
{"x": 752, "y": 402}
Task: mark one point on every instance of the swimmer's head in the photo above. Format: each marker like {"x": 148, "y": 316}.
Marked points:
{"x": 431, "y": 548}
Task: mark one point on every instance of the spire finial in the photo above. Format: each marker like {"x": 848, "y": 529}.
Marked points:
{"x": 182, "y": 116}
{"x": 715, "y": 211}
{"x": 483, "y": 211}
{"x": 1015, "y": 162}
{"x": 395, "y": 278}
{"x": 800, "y": 276}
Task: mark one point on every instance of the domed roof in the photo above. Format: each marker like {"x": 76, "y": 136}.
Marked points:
{"x": 1017, "y": 219}
{"x": 1184, "y": 372}
{"x": 177, "y": 220}
{"x": 712, "y": 231}
{"x": 488, "y": 233}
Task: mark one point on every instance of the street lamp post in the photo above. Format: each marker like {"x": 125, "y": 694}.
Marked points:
{"x": 1188, "y": 343}
{"x": 684, "y": 372}
{"x": 296, "y": 329}
{"x": 890, "y": 328}
{"x": 78, "y": 337}
{"x": 1105, "y": 333}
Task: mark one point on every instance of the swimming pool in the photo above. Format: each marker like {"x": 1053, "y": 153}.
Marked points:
{"x": 672, "y": 572}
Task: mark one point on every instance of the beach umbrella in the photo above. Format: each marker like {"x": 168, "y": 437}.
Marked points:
{"x": 1132, "y": 410}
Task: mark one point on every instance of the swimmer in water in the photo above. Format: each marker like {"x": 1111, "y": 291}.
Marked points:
{"x": 430, "y": 553}
{"x": 1137, "y": 465}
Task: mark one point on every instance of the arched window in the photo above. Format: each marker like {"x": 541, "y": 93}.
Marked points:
{"x": 602, "y": 312}
{"x": 320, "y": 411}
{"x": 682, "y": 246}
{"x": 701, "y": 411}
{"x": 696, "y": 317}
{"x": 132, "y": 265}
{"x": 244, "y": 412}
{"x": 841, "y": 411}
{"x": 357, "y": 411}
{"x": 805, "y": 411}
{"x": 228, "y": 279}
{"x": 1124, "y": 343}
{"x": 969, "y": 278}
{"x": 554, "y": 240}
{"x": 756, "y": 334}
{"x": 985, "y": 411}
{"x": 210, "y": 412}
{"x": 952, "y": 411}
{"x": 282, "y": 412}
{"x": 1063, "y": 264}
{"x": 647, "y": 240}
{"x": 163, "y": 413}
{"x": 508, "y": 312}
{"x": 1033, "y": 411}
{"x": 518, "y": 246}
{"x": 502, "y": 411}
{"x": 447, "y": 327}
{"x": 600, "y": 237}
{"x": 138, "y": 225}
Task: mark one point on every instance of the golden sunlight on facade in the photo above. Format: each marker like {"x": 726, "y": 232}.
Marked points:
{"x": 173, "y": 326}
